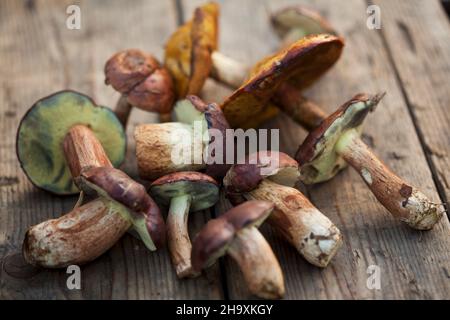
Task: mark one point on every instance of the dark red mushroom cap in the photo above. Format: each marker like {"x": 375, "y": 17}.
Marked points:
{"x": 276, "y": 166}
{"x": 203, "y": 190}
{"x": 212, "y": 241}
{"x": 118, "y": 186}
{"x": 140, "y": 77}
{"x": 317, "y": 156}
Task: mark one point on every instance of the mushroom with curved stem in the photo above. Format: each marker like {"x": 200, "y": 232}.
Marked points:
{"x": 235, "y": 233}
{"x": 142, "y": 83}
{"x": 91, "y": 229}
{"x": 60, "y": 137}
{"x": 337, "y": 142}
{"x": 184, "y": 192}
{"x": 271, "y": 176}
{"x": 188, "y": 145}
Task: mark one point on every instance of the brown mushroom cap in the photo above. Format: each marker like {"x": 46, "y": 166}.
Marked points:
{"x": 203, "y": 189}
{"x": 302, "y": 63}
{"x": 140, "y": 77}
{"x": 189, "y": 50}
{"x": 212, "y": 241}
{"x": 116, "y": 185}
{"x": 278, "y": 167}
{"x": 300, "y": 20}
{"x": 193, "y": 108}
{"x": 317, "y": 156}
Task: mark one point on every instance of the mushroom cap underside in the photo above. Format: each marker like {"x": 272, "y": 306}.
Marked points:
{"x": 42, "y": 130}
{"x": 317, "y": 155}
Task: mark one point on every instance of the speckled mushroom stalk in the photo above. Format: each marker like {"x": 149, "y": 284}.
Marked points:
{"x": 183, "y": 192}
{"x": 315, "y": 237}
{"x": 337, "y": 141}
{"x": 235, "y": 233}
{"x": 186, "y": 145}
{"x": 142, "y": 83}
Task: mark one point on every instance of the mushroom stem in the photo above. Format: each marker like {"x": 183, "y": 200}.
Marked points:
{"x": 228, "y": 71}
{"x": 404, "y": 201}
{"x": 82, "y": 149}
{"x": 123, "y": 110}
{"x": 302, "y": 224}
{"x": 180, "y": 246}
{"x": 260, "y": 267}
{"x": 300, "y": 109}
{"x": 77, "y": 237}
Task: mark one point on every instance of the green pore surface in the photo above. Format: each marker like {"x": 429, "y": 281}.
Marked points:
{"x": 41, "y": 134}
{"x": 326, "y": 161}
{"x": 203, "y": 194}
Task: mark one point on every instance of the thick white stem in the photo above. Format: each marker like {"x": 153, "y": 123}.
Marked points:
{"x": 260, "y": 267}
{"x": 228, "y": 70}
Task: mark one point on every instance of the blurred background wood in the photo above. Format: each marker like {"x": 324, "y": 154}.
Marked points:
{"x": 409, "y": 58}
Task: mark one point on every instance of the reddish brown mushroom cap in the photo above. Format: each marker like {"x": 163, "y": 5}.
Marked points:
{"x": 212, "y": 241}
{"x": 203, "y": 189}
{"x": 273, "y": 165}
{"x": 119, "y": 187}
{"x": 303, "y": 63}
{"x": 316, "y": 155}
{"x": 140, "y": 77}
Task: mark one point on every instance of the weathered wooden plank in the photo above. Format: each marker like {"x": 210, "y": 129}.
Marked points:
{"x": 419, "y": 43}
{"x": 39, "y": 55}
{"x": 412, "y": 264}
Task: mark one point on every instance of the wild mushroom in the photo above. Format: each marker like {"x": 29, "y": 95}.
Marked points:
{"x": 337, "y": 142}
{"x": 249, "y": 106}
{"x": 142, "y": 83}
{"x": 189, "y": 145}
{"x": 235, "y": 233}
{"x": 66, "y": 123}
{"x": 295, "y": 22}
{"x": 184, "y": 192}
{"x": 90, "y": 230}
{"x": 271, "y": 176}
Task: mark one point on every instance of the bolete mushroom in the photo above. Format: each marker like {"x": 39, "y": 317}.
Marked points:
{"x": 183, "y": 192}
{"x": 337, "y": 142}
{"x": 271, "y": 176}
{"x": 235, "y": 233}
{"x": 142, "y": 83}
{"x": 189, "y": 145}
{"x": 62, "y": 123}
{"x": 91, "y": 229}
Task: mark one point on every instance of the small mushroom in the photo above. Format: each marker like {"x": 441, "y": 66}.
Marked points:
{"x": 91, "y": 229}
{"x": 156, "y": 144}
{"x": 295, "y": 22}
{"x": 67, "y": 131}
{"x": 188, "y": 50}
{"x": 184, "y": 192}
{"x": 271, "y": 176}
{"x": 142, "y": 83}
{"x": 235, "y": 233}
{"x": 337, "y": 142}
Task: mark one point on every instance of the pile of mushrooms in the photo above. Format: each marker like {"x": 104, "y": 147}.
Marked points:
{"x": 67, "y": 144}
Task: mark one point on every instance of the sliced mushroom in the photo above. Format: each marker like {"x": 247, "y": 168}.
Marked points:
{"x": 46, "y": 134}
{"x": 235, "y": 233}
{"x": 142, "y": 83}
{"x": 271, "y": 176}
{"x": 337, "y": 142}
{"x": 184, "y": 192}
{"x": 162, "y": 148}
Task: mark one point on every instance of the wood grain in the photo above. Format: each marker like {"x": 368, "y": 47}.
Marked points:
{"x": 412, "y": 264}
{"x": 39, "y": 55}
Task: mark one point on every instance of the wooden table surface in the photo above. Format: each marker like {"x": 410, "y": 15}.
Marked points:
{"x": 409, "y": 58}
